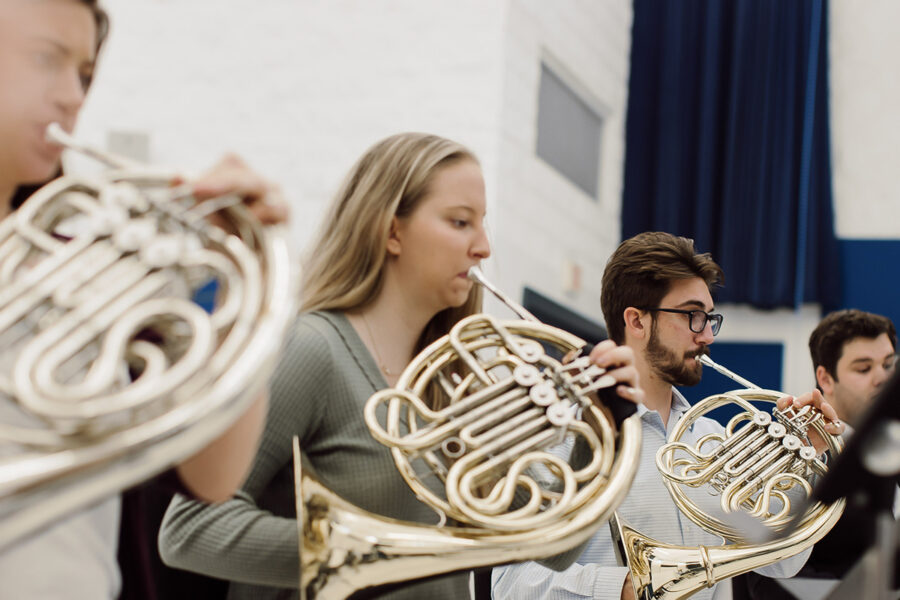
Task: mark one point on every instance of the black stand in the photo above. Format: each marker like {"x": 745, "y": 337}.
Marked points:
{"x": 872, "y": 578}
{"x": 866, "y": 473}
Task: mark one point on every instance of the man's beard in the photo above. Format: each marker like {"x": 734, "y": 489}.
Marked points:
{"x": 671, "y": 368}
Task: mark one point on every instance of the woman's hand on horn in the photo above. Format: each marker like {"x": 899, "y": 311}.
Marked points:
{"x": 619, "y": 364}
{"x": 833, "y": 424}
{"x": 232, "y": 176}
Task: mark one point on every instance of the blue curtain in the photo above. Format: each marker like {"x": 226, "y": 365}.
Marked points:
{"x": 727, "y": 142}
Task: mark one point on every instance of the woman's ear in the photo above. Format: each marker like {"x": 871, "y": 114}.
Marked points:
{"x": 634, "y": 324}
{"x": 393, "y": 242}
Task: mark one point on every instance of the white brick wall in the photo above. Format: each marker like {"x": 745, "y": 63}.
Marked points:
{"x": 544, "y": 221}
{"x": 865, "y": 120}
{"x": 301, "y": 88}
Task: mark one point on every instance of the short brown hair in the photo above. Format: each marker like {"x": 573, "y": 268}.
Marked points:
{"x": 826, "y": 344}
{"x": 640, "y": 271}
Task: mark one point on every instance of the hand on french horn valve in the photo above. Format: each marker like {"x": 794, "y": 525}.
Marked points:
{"x": 833, "y": 424}
{"x": 619, "y": 364}
{"x": 232, "y": 175}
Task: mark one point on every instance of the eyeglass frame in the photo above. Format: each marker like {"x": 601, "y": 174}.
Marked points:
{"x": 715, "y": 318}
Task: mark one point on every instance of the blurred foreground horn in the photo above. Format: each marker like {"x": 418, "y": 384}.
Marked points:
{"x": 485, "y": 460}
{"x": 109, "y": 372}
{"x": 761, "y": 466}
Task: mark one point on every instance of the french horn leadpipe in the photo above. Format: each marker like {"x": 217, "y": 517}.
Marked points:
{"x": 492, "y": 462}
{"x": 759, "y": 467}
{"x": 109, "y": 371}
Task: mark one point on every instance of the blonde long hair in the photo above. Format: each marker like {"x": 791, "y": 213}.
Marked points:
{"x": 345, "y": 268}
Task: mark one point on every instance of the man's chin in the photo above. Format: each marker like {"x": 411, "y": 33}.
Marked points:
{"x": 680, "y": 377}
{"x": 690, "y": 378}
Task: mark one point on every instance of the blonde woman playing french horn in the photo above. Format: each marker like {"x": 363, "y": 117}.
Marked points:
{"x": 386, "y": 276}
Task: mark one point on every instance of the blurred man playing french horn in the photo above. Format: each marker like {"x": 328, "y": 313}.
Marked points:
{"x": 48, "y": 51}
{"x": 656, "y": 299}
{"x": 853, "y": 354}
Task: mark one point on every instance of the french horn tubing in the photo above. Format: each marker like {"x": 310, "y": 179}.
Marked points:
{"x": 762, "y": 465}
{"x": 109, "y": 371}
{"x": 489, "y": 462}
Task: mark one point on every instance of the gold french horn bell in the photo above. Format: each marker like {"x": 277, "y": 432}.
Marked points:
{"x": 490, "y": 461}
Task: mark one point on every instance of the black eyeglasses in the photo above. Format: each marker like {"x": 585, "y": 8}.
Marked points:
{"x": 697, "y": 319}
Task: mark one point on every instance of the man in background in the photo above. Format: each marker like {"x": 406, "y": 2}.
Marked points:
{"x": 853, "y": 354}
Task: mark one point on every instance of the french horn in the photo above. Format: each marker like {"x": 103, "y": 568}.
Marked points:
{"x": 109, "y": 372}
{"x": 489, "y": 462}
{"x": 761, "y": 468}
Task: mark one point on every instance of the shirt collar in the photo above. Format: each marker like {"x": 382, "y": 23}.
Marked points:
{"x": 679, "y": 403}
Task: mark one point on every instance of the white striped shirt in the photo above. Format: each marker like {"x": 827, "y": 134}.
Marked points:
{"x": 648, "y": 508}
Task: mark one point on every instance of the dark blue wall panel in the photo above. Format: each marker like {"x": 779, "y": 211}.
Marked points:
{"x": 870, "y": 272}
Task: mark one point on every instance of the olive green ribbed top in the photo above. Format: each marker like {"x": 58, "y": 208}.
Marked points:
{"x": 318, "y": 392}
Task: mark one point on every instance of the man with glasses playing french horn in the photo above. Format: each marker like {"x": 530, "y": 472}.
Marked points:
{"x": 656, "y": 299}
